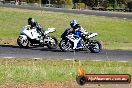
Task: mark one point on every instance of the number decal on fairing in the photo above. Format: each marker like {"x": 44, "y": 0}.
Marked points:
{"x": 71, "y": 37}
{"x": 31, "y": 33}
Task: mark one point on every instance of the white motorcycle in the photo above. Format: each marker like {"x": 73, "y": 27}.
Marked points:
{"x": 32, "y": 37}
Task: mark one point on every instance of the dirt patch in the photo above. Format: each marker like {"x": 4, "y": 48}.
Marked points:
{"x": 8, "y": 41}
{"x": 41, "y": 85}
{"x": 71, "y": 84}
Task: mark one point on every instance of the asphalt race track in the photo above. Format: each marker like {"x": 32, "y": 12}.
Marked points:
{"x": 10, "y": 51}
{"x": 87, "y": 12}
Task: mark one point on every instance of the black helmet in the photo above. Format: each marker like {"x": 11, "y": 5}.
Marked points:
{"x": 31, "y": 21}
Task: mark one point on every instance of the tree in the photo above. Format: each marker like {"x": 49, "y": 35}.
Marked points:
{"x": 68, "y": 2}
{"x": 96, "y": 3}
{"x": 129, "y": 4}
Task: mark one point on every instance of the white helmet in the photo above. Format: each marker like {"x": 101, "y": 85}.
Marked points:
{"x": 73, "y": 23}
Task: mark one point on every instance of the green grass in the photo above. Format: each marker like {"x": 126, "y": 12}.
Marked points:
{"x": 30, "y": 70}
{"x": 114, "y": 33}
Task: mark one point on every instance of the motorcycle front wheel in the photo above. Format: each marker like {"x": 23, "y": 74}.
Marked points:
{"x": 95, "y": 46}
{"x": 65, "y": 45}
{"x": 53, "y": 43}
{"x": 23, "y": 43}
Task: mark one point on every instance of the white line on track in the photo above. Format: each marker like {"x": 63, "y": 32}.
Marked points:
{"x": 96, "y": 60}
{"x": 9, "y": 57}
{"x": 123, "y": 61}
{"x": 37, "y": 58}
{"x": 68, "y": 59}
{"x": 64, "y": 59}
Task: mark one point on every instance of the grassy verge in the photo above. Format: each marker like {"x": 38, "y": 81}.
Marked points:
{"x": 30, "y": 70}
{"x": 114, "y": 33}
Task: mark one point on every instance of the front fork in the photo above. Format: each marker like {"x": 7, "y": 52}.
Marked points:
{"x": 86, "y": 43}
{"x": 91, "y": 43}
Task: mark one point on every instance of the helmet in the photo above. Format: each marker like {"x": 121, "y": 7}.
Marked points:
{"x": 31, "y": 21}
{"x": 73, "y": 23}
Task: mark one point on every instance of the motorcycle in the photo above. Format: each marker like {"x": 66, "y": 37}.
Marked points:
{"x": 69, "y": 41}
{"x": 32, "y": 37}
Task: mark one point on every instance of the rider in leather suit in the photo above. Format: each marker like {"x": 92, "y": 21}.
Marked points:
{"x": 78, "y": 31}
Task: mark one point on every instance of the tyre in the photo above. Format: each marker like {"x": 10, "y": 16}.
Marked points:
{"x": 53, "y": 43}
{"x": 65, "y": 45}
{"x": 95, "y": 46}
{"x": 23, "y": 42}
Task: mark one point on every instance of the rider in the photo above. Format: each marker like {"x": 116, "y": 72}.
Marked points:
{"x": 78, "y": 31}
{"x": 35, "y": 24}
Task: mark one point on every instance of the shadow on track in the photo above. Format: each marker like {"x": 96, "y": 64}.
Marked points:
{"x": 33, "y": 48}
{"x": 11, "y": 46}
{"x": 47, "y": 49}
{"x": 41, "y": 49}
